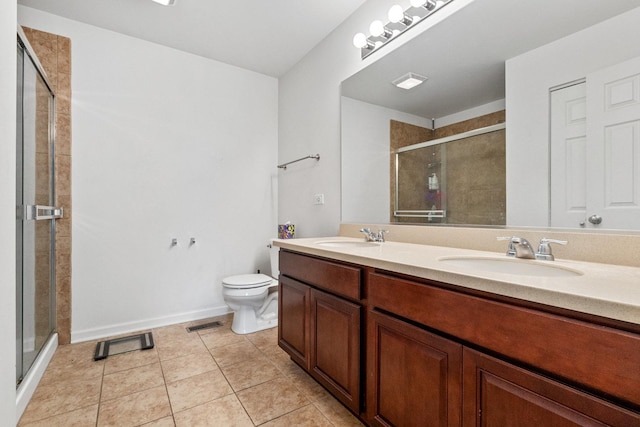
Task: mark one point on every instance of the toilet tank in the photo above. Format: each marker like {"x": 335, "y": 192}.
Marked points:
{"x": 274, "y": 252}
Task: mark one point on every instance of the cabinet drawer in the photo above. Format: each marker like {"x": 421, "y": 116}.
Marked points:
{"x": 336, "y": 278}
{"x": 500, "y": 394}
{"x": 596, "y": 357}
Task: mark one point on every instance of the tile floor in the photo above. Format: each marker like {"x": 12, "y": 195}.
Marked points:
{"x": 211, "y": 377}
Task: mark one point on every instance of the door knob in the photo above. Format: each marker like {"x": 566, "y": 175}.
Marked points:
{"x": 595, "y": 219}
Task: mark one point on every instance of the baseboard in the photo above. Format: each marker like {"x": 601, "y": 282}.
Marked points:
{"x": 141, "y": 325}
{"x": 32, "y": 379}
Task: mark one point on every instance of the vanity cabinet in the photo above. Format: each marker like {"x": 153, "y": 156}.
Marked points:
{"x": 415, "y": 376}
{"x": 293, "y": 319}
{"x": 405, "y": 351}
{"x": 518, "y": 366}
{"x": 320, "y": 320}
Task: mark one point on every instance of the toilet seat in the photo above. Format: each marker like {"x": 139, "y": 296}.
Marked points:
{"x": 245, "y": 293}
{"x": 247, "y": 281}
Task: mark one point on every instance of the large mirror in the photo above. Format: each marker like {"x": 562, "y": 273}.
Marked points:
{"x": 489, "y": 59}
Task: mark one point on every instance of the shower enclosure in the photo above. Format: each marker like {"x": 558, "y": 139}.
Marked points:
{"x": 35, "y": 210}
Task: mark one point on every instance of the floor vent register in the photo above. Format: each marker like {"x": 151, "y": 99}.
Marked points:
{"x": 204, "y": 326}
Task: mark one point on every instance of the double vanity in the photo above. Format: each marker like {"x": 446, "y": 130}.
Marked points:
{"x": 414, "y": 334}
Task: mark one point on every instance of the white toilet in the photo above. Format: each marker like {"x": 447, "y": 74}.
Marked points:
{"x": 253, "y": 298}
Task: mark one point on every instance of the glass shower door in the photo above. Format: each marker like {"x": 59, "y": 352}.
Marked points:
{"x": 35, "y": 213}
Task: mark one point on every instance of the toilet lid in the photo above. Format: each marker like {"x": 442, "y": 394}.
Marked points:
{"x": 247, "y": 281}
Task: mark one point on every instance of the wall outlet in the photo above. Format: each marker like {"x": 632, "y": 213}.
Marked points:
{"x": 318, "y": 199}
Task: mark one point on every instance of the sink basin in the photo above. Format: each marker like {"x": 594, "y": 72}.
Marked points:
{"x": 347, "y": 244}
{"x": 511, "y": 266}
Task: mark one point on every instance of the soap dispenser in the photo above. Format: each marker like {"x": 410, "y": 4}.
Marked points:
{"x": 433, "y": 182}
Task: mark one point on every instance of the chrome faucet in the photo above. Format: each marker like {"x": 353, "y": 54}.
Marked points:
{"x": 544, "y": 250}
{"x": 521, "y": 248}
{"x": 370, "y": 236}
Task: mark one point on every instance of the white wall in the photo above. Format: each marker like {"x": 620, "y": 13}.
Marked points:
{"x": 367, "y": 128}
{"x": 528, "y": 80}
{"x": 7, "y": 211}
{"x": 165, "y": 144}
{"x": 309, "y": 118}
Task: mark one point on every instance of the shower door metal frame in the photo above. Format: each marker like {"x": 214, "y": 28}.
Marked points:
{"x": 34, "y": 212}
{"x": 432, "y": 213}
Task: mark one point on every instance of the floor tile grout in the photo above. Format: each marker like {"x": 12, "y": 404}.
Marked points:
{"x": 171, "y": 343}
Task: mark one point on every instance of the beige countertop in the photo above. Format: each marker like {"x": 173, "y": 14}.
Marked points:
{"x": 601, "y": 289}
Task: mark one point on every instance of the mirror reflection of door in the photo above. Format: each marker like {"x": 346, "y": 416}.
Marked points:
{"x": 595, "y": 150}
{"x": 568, "y": 156}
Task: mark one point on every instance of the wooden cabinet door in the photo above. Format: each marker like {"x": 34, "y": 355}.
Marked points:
{"x": 293, "y": 319}
{"x": 414, "y": 377}
{"x": 499, "y": 394}
{"x": 335, "y": 346}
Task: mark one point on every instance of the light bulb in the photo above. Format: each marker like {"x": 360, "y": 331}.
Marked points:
{"x": 376, "y": 28}
{"x": 360, "y": 41}
{"x": 396, "y": 14}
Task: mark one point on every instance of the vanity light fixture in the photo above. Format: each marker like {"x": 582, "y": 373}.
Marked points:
{"x": 362, "y": 42}
{"x": 397, "y": 16}
{"x": 427, "y": 4}
{"x": 165, "y": 2}
{"x": 400, "y": 20}
{"x": 377, "y": 29}
{"x": 409, "y": 81}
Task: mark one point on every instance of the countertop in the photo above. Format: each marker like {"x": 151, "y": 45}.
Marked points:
{"x": 601, "y": 289}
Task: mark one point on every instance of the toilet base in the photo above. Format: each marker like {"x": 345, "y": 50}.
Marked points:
{"x": 247, "y": 319}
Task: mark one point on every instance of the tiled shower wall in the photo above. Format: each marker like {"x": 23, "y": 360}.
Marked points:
{"x": 54, "y": 53}
{"x": 475, "y": 195}
{"x": 402, "y": 135}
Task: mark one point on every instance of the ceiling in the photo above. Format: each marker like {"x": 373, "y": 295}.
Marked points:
{"x": 464, "y": 55}
{"x": 268, "y": 37}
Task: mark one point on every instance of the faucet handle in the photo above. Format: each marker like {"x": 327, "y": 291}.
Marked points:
{"x": 381, "y": 234}
{"x": 368, "y": 235}
{"x": 544, "y": 250}
{"x": 511, "y": 250}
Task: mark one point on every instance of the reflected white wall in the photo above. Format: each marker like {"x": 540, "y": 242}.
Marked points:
{"x": 365, "y": 159}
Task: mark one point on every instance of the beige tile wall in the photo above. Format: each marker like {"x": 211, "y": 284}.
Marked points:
{"x": 54, "y": 53}
{"x": 475, "y": 188}
{"x": 401, "y": 135}
{"x": 43, "y": 229}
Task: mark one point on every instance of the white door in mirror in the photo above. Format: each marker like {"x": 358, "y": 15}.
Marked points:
{"x": 613, "y": 121}
{"x": 568, "y": 156}
{"x": 595, "y": 150}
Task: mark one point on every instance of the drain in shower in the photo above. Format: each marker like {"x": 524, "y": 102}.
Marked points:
{"x": 204, "y": 326}
{"x": 123, "y": 345}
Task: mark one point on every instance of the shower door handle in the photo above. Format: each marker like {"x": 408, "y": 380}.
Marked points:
{"x": 40, "y": 212}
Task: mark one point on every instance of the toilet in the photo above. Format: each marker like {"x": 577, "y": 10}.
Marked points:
{"x": 253, "y": 298}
